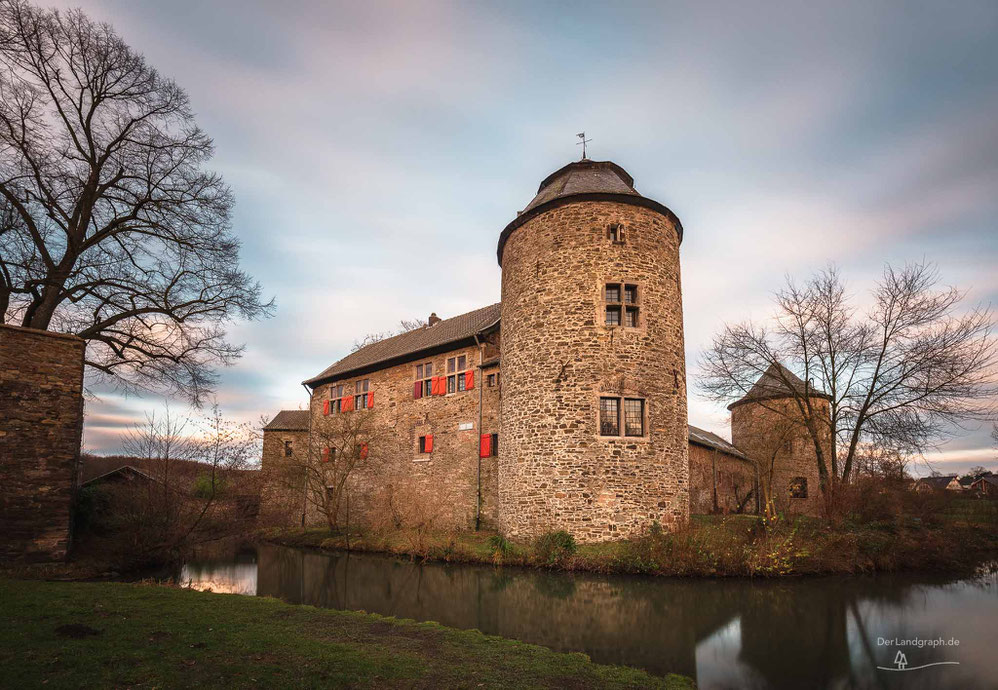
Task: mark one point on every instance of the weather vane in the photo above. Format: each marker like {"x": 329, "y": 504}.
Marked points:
{"x": 582, "y": 136}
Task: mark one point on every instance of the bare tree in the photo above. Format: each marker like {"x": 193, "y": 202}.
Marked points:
{"x": 899, "y": 374}
{"x": 405, "y": 325}
{"x": 341, "y": 447}
{"x": 195, "y": 463}
{"x": 110, "y": 226}
{"x": 880, "y": 462}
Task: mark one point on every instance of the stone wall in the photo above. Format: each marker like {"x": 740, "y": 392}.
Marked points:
{"x": 41, "y": 426}
{"x": 558, "y": 357}
{"x": 720, "y": 482}
{"x": 765, "y": 431}
{"x": 442, "y": 485}
{"x": 281, "y": 501}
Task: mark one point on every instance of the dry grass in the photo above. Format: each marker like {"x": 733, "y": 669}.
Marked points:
{"x": 886, "y": 533}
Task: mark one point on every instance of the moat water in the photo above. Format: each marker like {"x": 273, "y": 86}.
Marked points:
{"x": 833, "y": 632}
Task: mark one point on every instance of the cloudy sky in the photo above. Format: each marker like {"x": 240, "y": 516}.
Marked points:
{"x": 377, "y": 150}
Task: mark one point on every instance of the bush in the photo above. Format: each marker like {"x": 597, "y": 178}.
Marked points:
{"x": 554, "y": 547}
{"x": 206, "y": 486}
{"x": 502, "y": 548}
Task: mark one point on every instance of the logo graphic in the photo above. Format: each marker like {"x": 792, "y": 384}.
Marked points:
{"x": 901, "y": 664}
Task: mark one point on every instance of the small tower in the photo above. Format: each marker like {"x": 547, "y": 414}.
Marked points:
{"x": 766, "y": 426}
{"x": 593, "y": 411}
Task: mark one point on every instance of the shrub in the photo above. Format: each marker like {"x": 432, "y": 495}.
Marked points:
{"x": 502, "y": 548}
{"x": 206, "y": 486}
{"x": 553, "y": 547}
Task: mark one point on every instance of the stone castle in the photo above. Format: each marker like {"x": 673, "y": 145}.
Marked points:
{"x": 561, "y": 407}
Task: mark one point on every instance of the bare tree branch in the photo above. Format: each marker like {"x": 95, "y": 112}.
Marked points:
{"x": 899, "y": 376}
{"x": 110, "y": 226}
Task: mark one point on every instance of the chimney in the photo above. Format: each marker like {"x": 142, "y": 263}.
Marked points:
{"x": 434, "y": 319}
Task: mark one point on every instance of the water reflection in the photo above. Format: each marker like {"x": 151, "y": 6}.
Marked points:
{"x": 234, "y": 576}
{"x": 725, "y": 633}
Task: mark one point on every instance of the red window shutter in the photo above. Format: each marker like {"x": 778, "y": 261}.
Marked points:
{"x": 347, "y": 403}
{"x": 370, "y": 400}
{"x": 429, "y": 443}
{"x": 417, "y": 390}
{"x": 435, "y": 386}
{"x": 325, "y": 407}
{"x": 485, "y": 446}
{"x": 469, "y": 379}
{"x": 325, "y": 454}
{"x": 363, "y": 451}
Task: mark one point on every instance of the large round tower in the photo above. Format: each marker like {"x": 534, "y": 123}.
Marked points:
{"x": 593, "y": 410}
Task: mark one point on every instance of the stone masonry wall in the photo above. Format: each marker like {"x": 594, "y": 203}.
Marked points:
{"x": 732, "y": 477}
{"x": 559, "y": 357}
{"x": 760, "y": 433}
{"x": 442, "y": 484}
{"x": 280, "y": 501}
{"x": 41, "y": 426}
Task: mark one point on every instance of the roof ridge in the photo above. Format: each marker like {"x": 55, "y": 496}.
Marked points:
{"x": 455, "y": 328}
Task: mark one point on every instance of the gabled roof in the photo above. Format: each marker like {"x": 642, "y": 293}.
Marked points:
{"x": 937, "y": 482}
{"x": 289, "y": 420}
{"x": 406, "y": 345}
{"x": 704, "y": 438}
{"x": 778, "y": 382}
{"x": 988, "y": 479}
{"x": 126, "y": 471}
{"x": 585, "y": 180}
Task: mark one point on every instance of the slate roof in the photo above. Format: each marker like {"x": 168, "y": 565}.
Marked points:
{"x": 585, "y": 180}
{"x": 937, "y": 482}
{"x": 777, "y": 382}
{"x": 583, "y": 177}
{"x": 289, "y": 420}
{"x": 705, "y": 438}
{"x": 407, "y": 344}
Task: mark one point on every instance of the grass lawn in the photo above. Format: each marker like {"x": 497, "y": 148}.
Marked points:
{"x": 70, "y": 635}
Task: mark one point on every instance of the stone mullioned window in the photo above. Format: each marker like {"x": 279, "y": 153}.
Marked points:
{"x": 620, "y": 305}
{"x": 621, "y": 416}
{"x": 341, "y": 400}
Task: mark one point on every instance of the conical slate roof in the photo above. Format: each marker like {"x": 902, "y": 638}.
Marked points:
{"x": 585, "y": 180}
{"x": 583, "y": 177}
{"x": 778, "y": 382}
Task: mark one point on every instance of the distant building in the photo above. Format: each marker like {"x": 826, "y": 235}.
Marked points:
{"x": 126, "y": 474}
{"x": 587, "y": 430}
{"x": 947, "y": 483}
{"x": 986, "y": 486}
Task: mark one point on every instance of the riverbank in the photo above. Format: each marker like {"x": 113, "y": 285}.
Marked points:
{"x": 711, "y": 546}
{"x": 69, "y": 635}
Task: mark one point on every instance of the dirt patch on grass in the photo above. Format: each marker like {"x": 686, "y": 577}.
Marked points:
{"x": 77, "y": 631}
